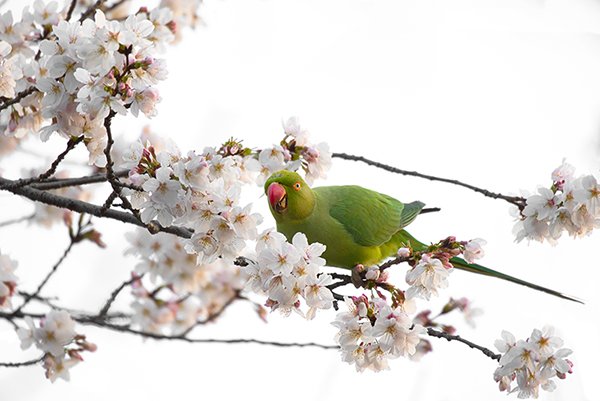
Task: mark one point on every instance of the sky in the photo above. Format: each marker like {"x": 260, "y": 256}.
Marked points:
{"x": 491, "y": 92}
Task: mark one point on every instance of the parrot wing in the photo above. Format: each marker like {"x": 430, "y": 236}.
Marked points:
{"x": 371, "y": 218}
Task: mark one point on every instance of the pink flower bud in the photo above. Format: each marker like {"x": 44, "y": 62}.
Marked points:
{"x": 403, "y": 252}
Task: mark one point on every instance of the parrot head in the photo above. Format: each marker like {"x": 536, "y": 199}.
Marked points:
{"x": 289, "y": 195}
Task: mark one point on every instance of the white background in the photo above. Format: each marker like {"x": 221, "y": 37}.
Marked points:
{"x": 494, "y": 93}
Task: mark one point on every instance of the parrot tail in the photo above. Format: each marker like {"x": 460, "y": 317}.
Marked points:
{"x": 461, "y": 264}
{"x": 406, "y": 239}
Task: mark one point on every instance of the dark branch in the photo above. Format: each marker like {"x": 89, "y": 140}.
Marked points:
{"x": 74, "y": 182}
{"x": 71, "y": 9}
{"x": 50, "y": 172}
{"x": 451, "y": 337}
{"x": 116, "y": 185}
{"x": 21, "y": 364}
{"x": 91, "y": 10}
{"x": 17, "y": 220}
{"x": 20, "y": 96}
{"x": 114, "y": 295}
{"x": 514, "y": 200}
{"x": 91, "y": 209}
{"x": 33, "y": 295}
{"x": 129, "y": 330}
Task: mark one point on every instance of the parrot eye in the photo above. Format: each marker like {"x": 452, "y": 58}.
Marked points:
{"x": 297, "y": 186}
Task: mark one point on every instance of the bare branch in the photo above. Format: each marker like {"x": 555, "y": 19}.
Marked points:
{"x": 74, "y": 182}
{"x": 116, "y": 185}
{"x": 451, "y": 337}
{"x": 50, "y": 172}
{"x": 21, "y": 364}
{"x": 514, "y": 200}
{"x": 33, "y": 295}
{"x": 91, "y": 209}
{"x": 71, "y": 9}
{"x": 114, "y": 295}
{"x": 17, "y": 220}
{"x": 91, "y": 10}
{"x": 129, "y": 330}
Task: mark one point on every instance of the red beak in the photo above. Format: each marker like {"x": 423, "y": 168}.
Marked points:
{"x": 275, "y": 192}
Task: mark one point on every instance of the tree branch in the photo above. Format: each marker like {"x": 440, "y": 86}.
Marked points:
{"x": 50, "y": 172}
{"x": 451, "y": 337}
{"x": 114, "y": 295}
{"x": 514, "y": 200}
{"x": 91, "y": 10}
{"x": 74, "y": 182}
{"x": 33, "y": 295}
{"x": 20, "y": 96}
{"x": 91, "y": 209}
{"x": 21, "y": 364}
{"x": 71, "y": 9}
{"x": 17, "y": 220}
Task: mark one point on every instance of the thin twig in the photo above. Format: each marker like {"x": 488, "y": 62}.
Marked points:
{"x": 21, "y": 364}
{"x": 114, "y": 294}
{"x": 91, "y": 209}
{"x": 114, "y": 5}
{"x": 71, "y": 9}
{"x": 451, "y": 337}
{"x": 34, "y": 294}
{"x": 17, "y": 220}
{"x": 50, "y": 172}
{"x": 116, "y": 185}
{"x": 396, "y": 261}
{"x": 514, "y": 200}
{"x": 156, "y": 336}
{"x": 74, "y": 182}
{"x": 20, "y": 96}
{"x": 214, "y": 316}
{"x": 88, "y": 13}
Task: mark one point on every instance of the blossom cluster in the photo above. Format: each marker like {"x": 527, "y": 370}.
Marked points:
{"x": 571, "y": 204}
{"x": 201, "y": 191}
{"x": 81, "y": 72}
{"x": 431, "y": 268}
{"x": 8, "y": 280}
{"x": 56, "y": 337}
{"x": 183, "y": 291}
{"x": 532, "y": 363}
{"x": 294, "y": 152}
{"x": 289, "y": 273}
{"x": 371, "y": 332}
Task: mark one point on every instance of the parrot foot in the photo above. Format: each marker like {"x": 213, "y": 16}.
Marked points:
{"x": 357, "y": 275}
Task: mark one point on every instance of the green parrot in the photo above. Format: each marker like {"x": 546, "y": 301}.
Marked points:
{"x": 358, "y": 226}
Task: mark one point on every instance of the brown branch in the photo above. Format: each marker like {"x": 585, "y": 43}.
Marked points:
{"x": 156, "y": 336}
{"x": 451, "y": 337}
{"x": 35, "y": 294}
{"x": 91, "y": 10}
{"x": 396, "y": 261}
{"x": 71, "y": 9}
{"x": 114, "y": 294}
{"x": 20, "y": 96}
{"x": 21, "y": 364}
{"x": 514, "y": 200}
{"x": 50, "y": 172}
{"x": 91, "y": 209}
{"x": 116, "y": 185}
{"x": 74, "y": 182}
